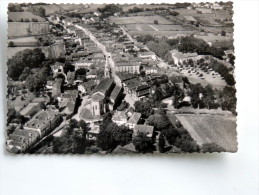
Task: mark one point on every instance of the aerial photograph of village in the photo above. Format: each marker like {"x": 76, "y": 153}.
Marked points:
{"x": 120, "y": 78}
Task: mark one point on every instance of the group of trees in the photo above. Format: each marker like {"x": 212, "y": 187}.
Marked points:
{"x": 223, "y": 71}
{"x": 38, "y": 11}
{"x": 144, "y": 107}
{"x": 15, "y": 7}
{"x": 202, "y": 97}
{"x": 37, "y": 81}
{"x": 135, "y": 10}
{"x": 73, "y": 141}
{"x": 227, "y": 99}
{"x": 14, "y": 116}
{"x": 190, "y": 44}
{"x": 109, "y": 10}
{"x": 111, "y": 135}
{"x": 24, "y": 60}
{"x": 143, "y": 143}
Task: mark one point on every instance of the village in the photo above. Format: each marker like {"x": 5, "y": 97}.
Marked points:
{"x": 122, "y": 80}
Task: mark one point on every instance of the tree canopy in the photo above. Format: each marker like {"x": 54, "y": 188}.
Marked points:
{"x": 26, "y": 58}
{"x": 113, "y": 135}
{"x": 142, "y": 143}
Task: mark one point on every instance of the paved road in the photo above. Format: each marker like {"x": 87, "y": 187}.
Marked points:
{"x": 61, "y": 126}
{"x": 110, "y": 63}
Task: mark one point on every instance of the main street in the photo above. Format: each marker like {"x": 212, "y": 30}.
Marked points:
{"x": 110, "y": 64}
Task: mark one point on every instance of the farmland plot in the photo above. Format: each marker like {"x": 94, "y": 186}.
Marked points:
{"x": 206, "y": 128}
{"x": 139, "y": 20}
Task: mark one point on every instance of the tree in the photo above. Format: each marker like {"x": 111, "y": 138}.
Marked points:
{"x": 223, "y": 33}
{"x": 155, "y": 22}
{"x": 158, "y": 121}
{"x": 142, "y": 143}
{"x": 186, "y": 143}
{"x": 211, "y": 147}
{"x": 11, "y": 44}
{"x": 174, "y": 13}
{"x": 81, "y": 71}
{"x": 83, "y": 125}
{"x": 144, "y": 107}
{"x": 171, "y": 134}
{"x": 161, "y": 143}
{"x": 15, "y": 7}
{"x": 70, "y": 143}
{"x": 178, "y": 95}
{"x": 195, "y": 92}
{"x": 36, "y": 82}
{"x": 227, "y": 99}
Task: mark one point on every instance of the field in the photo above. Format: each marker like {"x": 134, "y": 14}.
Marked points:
{"x": 23, "y": 39}
{"x": 22, "y": 26}
{"x": 209, "y": 128}
{"x": 69, "y": 7}
{"x": 27, "y": 28}
{"x": 17, "y": 16}
{"x": 51, "y": 8}
{"x": 142, "y": 25}
{"x": 139, "y": 20}
{"x": 144, "y": 6}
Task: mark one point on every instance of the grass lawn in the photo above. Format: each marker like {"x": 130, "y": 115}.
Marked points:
{"x": 208, "y": 128}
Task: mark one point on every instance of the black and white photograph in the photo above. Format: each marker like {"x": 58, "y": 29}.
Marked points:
{"x": 121, "y": 78}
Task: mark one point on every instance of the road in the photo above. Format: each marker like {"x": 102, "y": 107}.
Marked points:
{"x": 61, "y": 126}
{"x": 110, "y": 64}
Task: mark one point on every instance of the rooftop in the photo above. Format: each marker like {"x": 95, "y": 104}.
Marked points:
{"x": 119, "y": 116}
{"x": 134, "y": 119}
{"x": 104, "y": 85}
{"x": 115, "y": 92}
{"x": 98, "y": 96}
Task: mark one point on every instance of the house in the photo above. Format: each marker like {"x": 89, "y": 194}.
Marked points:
{"x": 146, "y": 129}
{"x": 68, "y": 101}
{"x": 120, "y": 118}
{"x": 179, "y": 57}
{"x": 147, "y": 55}
{"x": 190, "y": 19}
{"x": 87, "y": 87}
{"x": 134, "y": 120}
{"x": 49, "y": 84}
{"x": 71, "y": 77}
{"x": 130, "y": 111}
{"x": 56, "y": 89}
{"x": 31, "y": 109}
{"x": 151, "y": 70}
{"x": 43, "y": 122}
{"x": 130, "y": 67}
{"x": 58, "y": 67}
{"x": 20, "y": 140}
{"x": 140, "y": 92}
{"x": 127, "y": 149}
